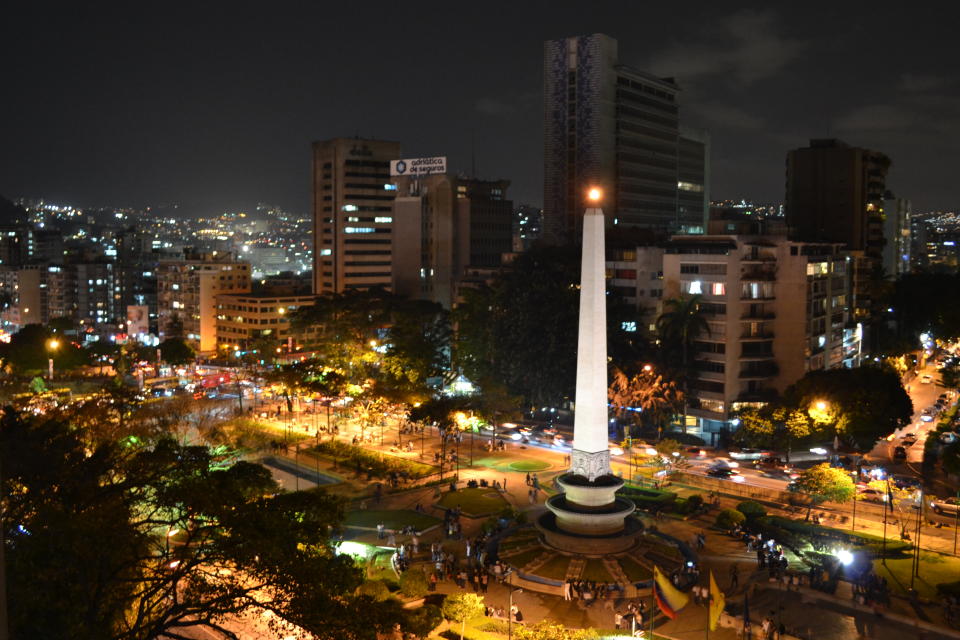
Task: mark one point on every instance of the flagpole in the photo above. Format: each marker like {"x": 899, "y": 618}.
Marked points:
{"x": 883, "y": 554}
{"x": 709, "y": 602}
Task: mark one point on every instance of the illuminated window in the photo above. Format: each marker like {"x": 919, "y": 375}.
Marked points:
{"x": 718, "y": 288}
{"x": 383, "y": 219}
{"x": 326, "y": 252}
{"x": 358, "y": 229}
{"x": 349, "y": 207}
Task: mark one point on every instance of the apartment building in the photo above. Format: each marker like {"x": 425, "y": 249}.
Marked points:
{"x": 187, "y": 291}
{"x": 776, "y": 309}
{"x": 244, "y": 318}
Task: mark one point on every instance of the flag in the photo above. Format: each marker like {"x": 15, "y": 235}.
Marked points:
{"x": 668, "y": 597}
{"x": 717, "y": 603}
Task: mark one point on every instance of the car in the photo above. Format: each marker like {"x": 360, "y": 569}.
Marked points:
{"x": 747, "y": 454}
{"x": 909, "y": 437}
{"x": 616, "y": 450}
{"x": 871, "y": 495}
{"x": 559, "y": 441}
{"x": 899, "y": 453}
{"x": 901, "y": 481}
{"x": 926, "y": 415}
{"x": 696, "y": 452}
{"x": 926, "y": 378}
{"x": 947, "y": 505}
{"x": 725, "y": 473}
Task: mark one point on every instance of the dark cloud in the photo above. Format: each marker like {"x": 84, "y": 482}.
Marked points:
{"x": 746, "y": 46}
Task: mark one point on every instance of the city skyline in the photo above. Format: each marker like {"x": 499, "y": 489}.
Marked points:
{"x": 216, "y": 110}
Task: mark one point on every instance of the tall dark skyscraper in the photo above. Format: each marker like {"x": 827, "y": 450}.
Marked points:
{"x": 608, "y": 125}
{"x": 835, "y": 194}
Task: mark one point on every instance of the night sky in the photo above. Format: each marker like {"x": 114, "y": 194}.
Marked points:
{"x": 215, "y": 108}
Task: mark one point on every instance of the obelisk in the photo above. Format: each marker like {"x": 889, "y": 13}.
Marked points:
{"x": 591, "y": 454}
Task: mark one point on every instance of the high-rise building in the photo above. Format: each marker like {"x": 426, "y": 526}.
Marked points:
{"x": 261, "y": 318}
{"x": 187, "y": 292}
{"x": 445, "y": 225}
{"x": 352, "y": 214}
{"x": 611, "y": 126}
{"x": 896, "y": 232}
{"x": 835, "y": 194}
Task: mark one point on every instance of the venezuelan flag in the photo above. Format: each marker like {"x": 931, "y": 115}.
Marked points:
{"x": 668, "y": 597}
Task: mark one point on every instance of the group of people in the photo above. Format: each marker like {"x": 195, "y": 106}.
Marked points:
{"x": 590, "y": 591}
{"x": 635, "y": 617}
{"x": 871, "y": 590}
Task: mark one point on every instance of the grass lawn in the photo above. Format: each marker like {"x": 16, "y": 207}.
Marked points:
{"x": 523, "y": 558}
{"x": 594, "y": 570}
{"x": 529, "y": 465}
{"x": 662, "y": 548}
{"x": 934, "y": 569}
{"x": 474, "y": 502}
{"x": 634, "y": 570}
{"x": 392, "y": 519}
{"x": 555, "y": 567}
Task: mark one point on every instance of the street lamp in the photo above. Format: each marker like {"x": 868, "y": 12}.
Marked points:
{"x": 513, "y": 590}
{"x": 594, "y": 194}
{"x": 52, "y": 345}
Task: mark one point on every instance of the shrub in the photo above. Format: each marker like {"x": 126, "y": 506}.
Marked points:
{"x": 376, "y": 589}
{"x": 421, "y": 622}
{"x": 413, "y": 583}
{"x": 729, "y": 518}
{"x": 695, "y": 502}
{"x": 751, "y": 509}
{"x": 371, "y": 463}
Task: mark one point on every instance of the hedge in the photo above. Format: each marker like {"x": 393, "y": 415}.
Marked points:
{"x": 798, "y": 528}
{"x": 751, "y": 509}
{"x": 729, "y": 518}
{"x": 648, "y": 498}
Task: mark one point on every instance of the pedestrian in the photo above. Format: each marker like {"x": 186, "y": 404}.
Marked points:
{"x": 734, "y": 577}
{"x": 380, "y": 531}
{"x": 484, "y": 581}
{"x": 566, "y": 590}
{"x": 504, "y": 485}
{"x": 528, "y": 478}
{"x": 617, "y": 619}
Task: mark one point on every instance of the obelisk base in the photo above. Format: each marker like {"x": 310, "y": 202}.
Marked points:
{"x": 590, "y": 465}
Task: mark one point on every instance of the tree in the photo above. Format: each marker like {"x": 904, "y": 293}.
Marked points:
{"x": 680, "y": 324}
{"x": 131, "y": 540}
{"x": 546, "y": 630}
{"x": 860, "y": 405}
{"x": 424, "y": 620}
{"x": 824, "y": 483}
{"x": 657, "y": 398}
{"x": 460, "y": 607}
{"x": 175, "y": 351}
{"x": 950, "y": 377}
{"x": 728, "y": 519}
{"x": 30, "y": 348}
{"x": 413, "y": 583}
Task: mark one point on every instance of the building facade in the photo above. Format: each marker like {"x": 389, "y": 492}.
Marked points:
{"x": 896, "y": 232}
{"x": 245, "y": 320}
{"x": 446, "y": 226}
{"x": 352, "y": 214}
{"x": 834, "y": 193}
{"x": 616, "y": 128}
{"x": 776, "y": 309}
{"x": 187, "y": 292}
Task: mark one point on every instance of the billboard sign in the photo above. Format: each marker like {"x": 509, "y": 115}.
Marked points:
{"x": 138, "y": 320}
{"x": 418, "y": 166}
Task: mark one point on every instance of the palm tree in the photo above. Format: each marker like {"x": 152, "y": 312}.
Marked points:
{"x": 681, "y": 323}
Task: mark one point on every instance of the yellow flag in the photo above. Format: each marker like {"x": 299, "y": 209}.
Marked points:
{"x": 717, "y": 603}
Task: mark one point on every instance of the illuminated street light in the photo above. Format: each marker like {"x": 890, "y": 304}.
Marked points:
{"x": 52, "y": 345}
{"x": 844, "y": 556}
{"x": 594, "y": 194}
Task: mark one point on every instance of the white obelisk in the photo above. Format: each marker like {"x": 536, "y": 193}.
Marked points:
{"x": 591, "y": 454}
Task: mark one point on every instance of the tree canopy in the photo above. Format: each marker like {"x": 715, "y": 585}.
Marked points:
{"x": 133, "y": 539}
{"x": 823, "y": 483}
{"x": 521, "y": 330}
{"x": 861, "y": 405}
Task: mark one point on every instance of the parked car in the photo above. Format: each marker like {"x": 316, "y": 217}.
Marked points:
{"x": 902, "y": 481}
{"x": 947, "y": 505}
{"x": 900, "y": 453}
{"x": 926, "y": 378}
{"x": 871, "y": 495}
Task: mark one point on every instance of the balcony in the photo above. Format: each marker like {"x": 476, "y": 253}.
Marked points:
{"x": 758, "y": 395}
{"x": 758, "y": 314}
{"x": 759, "y": 371}
{"x": 753, "y": 337}
{"x": 755, "y": 357}
{"x": 758, "y": 274}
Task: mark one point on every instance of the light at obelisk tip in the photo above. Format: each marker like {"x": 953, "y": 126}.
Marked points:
{"x": 594, "y": 194}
